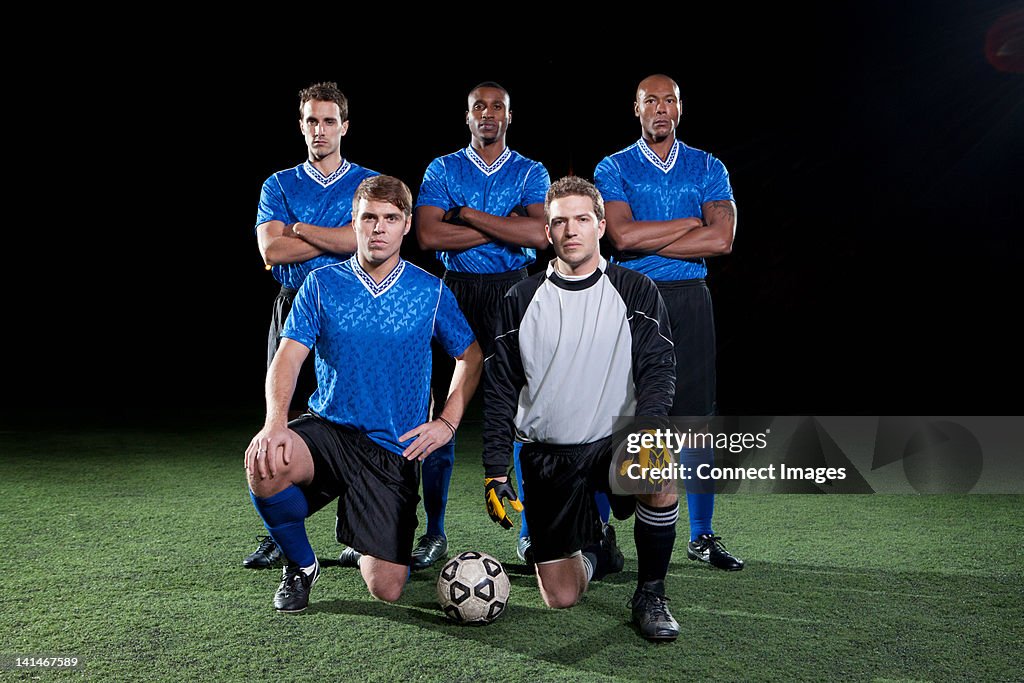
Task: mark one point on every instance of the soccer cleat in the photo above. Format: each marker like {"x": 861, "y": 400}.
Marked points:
{"x": 265, "y": 556}
{"x": 349, "y": 557}
{"x": 615, "y": 558}
{"x": 650, "y": 613}
{"x": 429, "y": 549}
{"x": 524, "y": 550}
{"x": 708, "y": 548}
{"x": 293, "y": 593}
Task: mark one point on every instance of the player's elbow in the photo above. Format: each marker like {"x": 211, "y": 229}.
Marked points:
{"x": 619, "y": 240}
{"x": 427, "y": 238}
{"x": 723, "y": 246}
{"x": 271, "y": 257}
{"x": 538, "y": 240}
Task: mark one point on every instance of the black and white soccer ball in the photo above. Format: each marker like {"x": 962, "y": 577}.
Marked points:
{"x": 473, "y": 588}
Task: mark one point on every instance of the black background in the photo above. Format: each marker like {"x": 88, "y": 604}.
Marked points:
{"x": 876, "y": 157}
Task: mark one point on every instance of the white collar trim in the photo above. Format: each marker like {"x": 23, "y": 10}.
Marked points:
{"x": 372, "y": 287}
{"x": 484, "y": 168}
{"x": 320, "y": 178}
{"x": 664, "y": 166}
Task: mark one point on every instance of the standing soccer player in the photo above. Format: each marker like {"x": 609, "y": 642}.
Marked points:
{"x": 577, "y": 346}
{"x": 481, "y": 209}
{"x": 669, "y": 207}
{"x": 304, "y": 222}
{"x": 370, "y": 321}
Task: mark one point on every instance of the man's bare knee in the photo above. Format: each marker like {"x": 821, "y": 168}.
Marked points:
{"x": 265, "y": 488}
{"x": 388, "y": 591}
{"x": 659, "y": 500}
{"x": 561, "y": 599}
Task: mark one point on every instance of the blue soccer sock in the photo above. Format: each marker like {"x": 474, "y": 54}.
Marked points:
{"x": 524, "y": 529}
{"x": 655, "y": 533}
{"x": 700, "y": 503}
{"x": 284, "y": 515}
{"x": 436, "y": 473}
{"x": 604, "y": 507}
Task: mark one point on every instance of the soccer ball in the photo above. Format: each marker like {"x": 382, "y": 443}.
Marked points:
{"x": 473, "y": 588}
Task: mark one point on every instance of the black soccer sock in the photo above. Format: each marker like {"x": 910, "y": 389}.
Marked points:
{"x": 589, "y": 565}
{"x": 655, "y": 533}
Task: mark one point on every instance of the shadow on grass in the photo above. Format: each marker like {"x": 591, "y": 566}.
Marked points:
{"x": 773, "y": 621}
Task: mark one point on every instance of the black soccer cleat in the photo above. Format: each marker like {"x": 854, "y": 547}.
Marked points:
{"x": 293, "y": 593}
{"x": 524, "y": 550}
{"x": 615, "y": 558}
{"x": 349, "y": 557}
{"x": 429, "y": 549}
{"x": 265, "y": 556}
{"x": 708, "y": 548}
{"x": 651, "y": 615}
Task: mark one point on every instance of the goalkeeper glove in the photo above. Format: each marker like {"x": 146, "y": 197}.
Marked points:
{"x": 494, "y": 492}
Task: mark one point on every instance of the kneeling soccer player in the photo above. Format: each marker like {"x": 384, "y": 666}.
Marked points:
{"x": 370, "y": 320}
{"x": 577, "y": 345}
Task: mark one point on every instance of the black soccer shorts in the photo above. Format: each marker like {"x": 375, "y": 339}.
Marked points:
{"x": 377, "y": 490}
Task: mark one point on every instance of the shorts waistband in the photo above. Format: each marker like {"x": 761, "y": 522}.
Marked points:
{"x": 680, "y": 284}
{"x": 486, "y": 277}
{"x": 567, "y": 449}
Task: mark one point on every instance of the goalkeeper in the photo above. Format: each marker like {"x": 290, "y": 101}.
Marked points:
{"x": 575, "y": 346}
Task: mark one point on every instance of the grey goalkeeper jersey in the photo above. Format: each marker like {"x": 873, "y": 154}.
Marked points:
{"x": 570, "y": 355}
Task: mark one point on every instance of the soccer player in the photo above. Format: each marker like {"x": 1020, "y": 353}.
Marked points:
{"x": 304, "y": 222}
{"x": 481, "y": 209}
{"x": 669, "y": 206}
{"x": 577, "y": 345}
{"x": 370, "y": 321}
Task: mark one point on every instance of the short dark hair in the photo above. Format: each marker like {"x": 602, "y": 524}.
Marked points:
{"x": 384, "y": 188}
{"x": 324, "y": 92}
{"x": 574, "y": 186}
{"x": 489, "y": 84}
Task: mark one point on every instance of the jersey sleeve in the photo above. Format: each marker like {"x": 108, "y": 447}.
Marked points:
{"x": 451, "y": 329}
{"x": 303, "y": 322}
{"x": 535, "y": 189}
{"x": 272, "y": 205}
{"x": 434, "y": 188}
{"x": 608, "y": 180}
{"x": 717, "y": 186}
{"x": 654, "y": 361}
{"x": 504, "y": 378}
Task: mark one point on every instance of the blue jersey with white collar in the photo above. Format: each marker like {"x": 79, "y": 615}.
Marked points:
{"x": 372, "y": 344}
{"x": 304, "y": 194}
{"x": 659, "y": 190}
{"x": 463, "y": 179}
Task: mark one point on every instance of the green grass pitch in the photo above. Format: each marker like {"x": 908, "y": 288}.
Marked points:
{"x": 124, "y": 547}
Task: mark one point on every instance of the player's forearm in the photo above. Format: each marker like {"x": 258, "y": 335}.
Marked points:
{"x": 709, "y": 240}
{"x": 649, "y": 236}
{"x": 502, "y": 384}
{"x": 465, "y": 380}
{"x": 332, "y": 240}
{"x": 288, "y": 249}
{"x": 441, "y": 236}
{"x": 713, "y": 239}
{"x": 279, "y": 388}
{"x": 521, "y": 231}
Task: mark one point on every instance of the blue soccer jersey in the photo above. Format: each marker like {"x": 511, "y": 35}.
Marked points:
{"x": 463, "y": 179}
{"x": 659, "y": 190}
{"x": 304, "y": 194}
{"x": 372, "y": 344}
